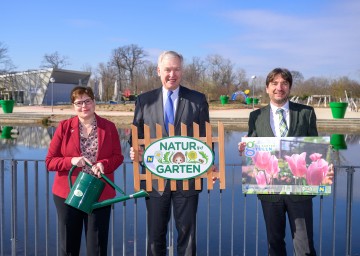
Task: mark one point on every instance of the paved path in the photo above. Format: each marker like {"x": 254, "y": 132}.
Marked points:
{"x": 236, "y": 118}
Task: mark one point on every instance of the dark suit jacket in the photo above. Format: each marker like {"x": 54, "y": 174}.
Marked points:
{"x": 192, "y": 107}
{"x": 302, "y": 123}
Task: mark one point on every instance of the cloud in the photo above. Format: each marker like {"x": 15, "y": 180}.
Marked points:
{"x": 325, "y": 41}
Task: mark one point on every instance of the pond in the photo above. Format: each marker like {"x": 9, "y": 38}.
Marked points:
{"x": 31, "y": 142}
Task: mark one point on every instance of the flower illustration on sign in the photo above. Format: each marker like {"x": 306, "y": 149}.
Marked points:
{"x": 297, "y": 164}
{"x": 267, "y": 168}
{"x": 261, "y": 159}
{"x": 317, "y": 171}
{"x": 262, "y": 179}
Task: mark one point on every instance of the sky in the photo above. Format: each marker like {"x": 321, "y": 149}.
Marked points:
{"x": 317, "y": 38}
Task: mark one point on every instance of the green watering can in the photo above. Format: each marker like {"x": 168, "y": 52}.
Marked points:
{"x": 85, "y": 193}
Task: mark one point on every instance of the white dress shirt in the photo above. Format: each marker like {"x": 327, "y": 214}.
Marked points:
{"x": 274, "y": 118}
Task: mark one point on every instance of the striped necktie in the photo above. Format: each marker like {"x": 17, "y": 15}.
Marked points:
{"x": 282, "y": 122}
{"x": 169, "y": 111}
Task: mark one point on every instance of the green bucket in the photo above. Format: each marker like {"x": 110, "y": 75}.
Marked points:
{"x": 224, "y": 99}
{"x": 256, "y": 101}
{"x": 337, "y": 141}
{"x": 249, "y": 100}
{"x": 338, "y": 109}
{"x": 85, "y": 192}
{"x": 7, "y": 105}
{"x": 6, "y": 132}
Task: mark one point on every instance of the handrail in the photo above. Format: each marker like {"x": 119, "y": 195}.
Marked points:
{"x": 225, "y": 217}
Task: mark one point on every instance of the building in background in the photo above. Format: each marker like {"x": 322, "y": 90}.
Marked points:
{"x": 33, "y": 87}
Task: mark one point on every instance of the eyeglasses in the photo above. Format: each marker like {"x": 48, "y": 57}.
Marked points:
{"x": 79, "y": 104}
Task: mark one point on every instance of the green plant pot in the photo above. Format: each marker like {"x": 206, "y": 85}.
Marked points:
{"x": 7, "y": 105}
{"x": 249, "y": 100}
{"x": 338, "y": 109}
{"x": 337, "y": 141}
{"x": 224, "y": 99}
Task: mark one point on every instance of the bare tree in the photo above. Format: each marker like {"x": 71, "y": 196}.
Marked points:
{"x": 220, "y": 72}
{"x": 128, "y": 58}
{"x": 54, "y": 60}
{"x": 107, "y": 74}
{"x": 297, "y": 76}
{"x": 194, "y": 73}
{"x": 6, "y": 64}
{"x": 146, "y": 76}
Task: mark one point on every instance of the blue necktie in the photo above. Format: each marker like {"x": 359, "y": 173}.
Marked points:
{"x": 169, "y": 111}
{"x": 282, "y": 122}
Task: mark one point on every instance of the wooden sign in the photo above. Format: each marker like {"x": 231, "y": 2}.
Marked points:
{"x": 149, "y": 177}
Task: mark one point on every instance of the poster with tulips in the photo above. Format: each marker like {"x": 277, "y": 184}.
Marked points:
{"x": 286, "y": 165}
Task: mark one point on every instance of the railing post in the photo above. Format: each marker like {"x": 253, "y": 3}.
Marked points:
{"x": 26, "y": 207}
{"x": 334, "y": 210}
{"x": 13, "y": 206}
{"x": 47, "y": 195}
{"x": 349, "y": 199}
{"x": 2, "y": 206}
{"x": 320, "y": 224}
{"x": 244, "y": 243}
{"x": 36, "y": 209}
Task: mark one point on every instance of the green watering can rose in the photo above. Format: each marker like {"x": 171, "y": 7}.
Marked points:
{"x": 85, "y": 193}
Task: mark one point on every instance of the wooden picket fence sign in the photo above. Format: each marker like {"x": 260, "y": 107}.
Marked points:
{"x": 148, "y": 177}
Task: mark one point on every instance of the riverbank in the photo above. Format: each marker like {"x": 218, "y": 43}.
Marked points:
{"x": 232, "y": 115}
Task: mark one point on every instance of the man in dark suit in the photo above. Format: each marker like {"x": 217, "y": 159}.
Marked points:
{"x": 188, "y": 106}
{"x": 300, "y": 120}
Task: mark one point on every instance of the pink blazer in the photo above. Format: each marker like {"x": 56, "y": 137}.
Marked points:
{"x": 66, "y": 144}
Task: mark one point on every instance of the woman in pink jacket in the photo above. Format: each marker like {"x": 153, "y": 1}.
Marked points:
{"x": 84, "y": 138}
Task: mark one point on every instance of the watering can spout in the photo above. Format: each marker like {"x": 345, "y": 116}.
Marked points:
{"x": 139, "y": 194}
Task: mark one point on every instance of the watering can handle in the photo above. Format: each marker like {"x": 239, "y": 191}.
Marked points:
{"x": 102, "y": 176}
{"x": 69, "y": 177}
{"x": 108, "y": 181}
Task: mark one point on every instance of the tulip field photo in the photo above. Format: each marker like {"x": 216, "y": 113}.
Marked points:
{"x": 286, "y": 165}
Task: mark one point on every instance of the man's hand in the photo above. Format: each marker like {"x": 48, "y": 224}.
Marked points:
{"x": 132, "y": 153}
{"x": 215, "y": 171}
{"x": 241, "y": 147}
{"x": 328, "y": 179}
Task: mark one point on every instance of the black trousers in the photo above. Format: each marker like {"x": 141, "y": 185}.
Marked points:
{"x": 301, "y": 225}
{"x": 159, "y": 212}
{"x": 71, "y": 222}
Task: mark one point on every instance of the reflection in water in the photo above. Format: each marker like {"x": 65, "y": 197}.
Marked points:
{"x": 36, "y": 137}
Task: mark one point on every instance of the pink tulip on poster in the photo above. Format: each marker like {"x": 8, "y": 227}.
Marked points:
{"x": 273, "y": 167}
{"x": 316, "y": 172}
{"x": 261, "y": 159}
{"x": 315, "y": 156}
{"x": 297, "y": 164}
{"x": 261, "y": 179}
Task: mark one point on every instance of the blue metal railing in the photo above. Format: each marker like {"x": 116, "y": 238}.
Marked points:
{"x": 229, "y": 223}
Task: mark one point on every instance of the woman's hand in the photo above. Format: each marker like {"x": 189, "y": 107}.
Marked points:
{"x": 79, "y": 161}
{"x": 98, "y": 169}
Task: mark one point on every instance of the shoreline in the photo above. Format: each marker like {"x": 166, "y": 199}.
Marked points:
{"x": 232, "y": 117}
